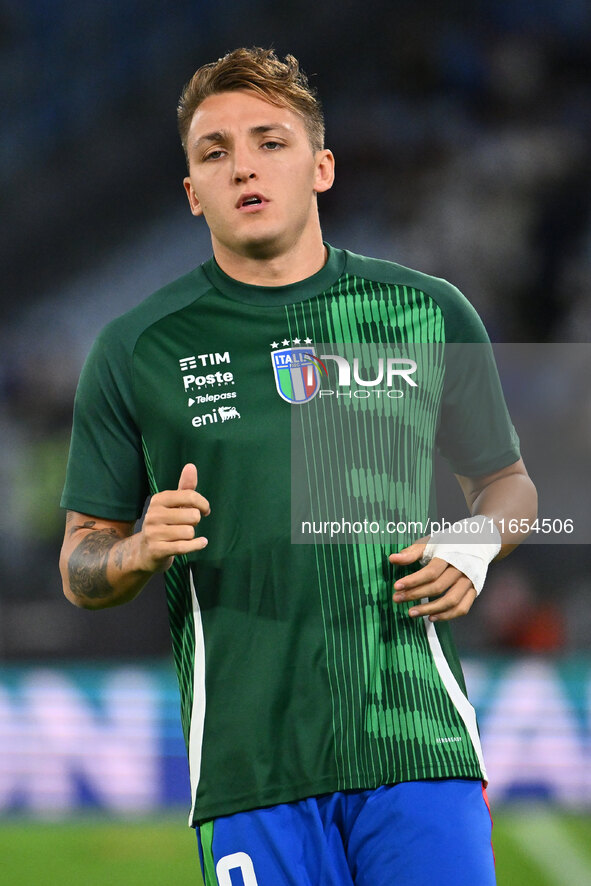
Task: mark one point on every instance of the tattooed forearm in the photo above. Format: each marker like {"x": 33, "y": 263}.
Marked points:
{"x": 87, "y": 566}
{"x": 88, "y": 524}
{"x": 120, "y": 554}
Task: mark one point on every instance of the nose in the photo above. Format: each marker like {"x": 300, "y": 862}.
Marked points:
{"x": 242, "y": 174}
{"x": 243, "y": 165}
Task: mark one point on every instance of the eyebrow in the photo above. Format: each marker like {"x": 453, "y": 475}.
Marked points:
{"x": 221, "y": 135}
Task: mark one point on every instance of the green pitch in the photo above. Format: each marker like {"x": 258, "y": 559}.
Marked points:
{"x": 536, "y": 847}
{"x": 97, "y": 851}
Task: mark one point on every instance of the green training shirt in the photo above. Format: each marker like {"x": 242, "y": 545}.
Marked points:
{"x": 298, "y": 675}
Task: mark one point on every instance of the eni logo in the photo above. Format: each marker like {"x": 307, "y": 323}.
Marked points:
{"x": 225, "y": 413}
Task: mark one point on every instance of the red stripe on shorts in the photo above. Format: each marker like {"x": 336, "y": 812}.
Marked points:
{"x": 491, "y": 821}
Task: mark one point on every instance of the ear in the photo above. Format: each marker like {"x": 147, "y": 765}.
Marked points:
{"x": 192, "y": 197}
{"x": 324, "y": 176}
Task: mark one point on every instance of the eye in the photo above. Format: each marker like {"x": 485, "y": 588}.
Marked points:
{"x": 272, "y": 146}
{"x": 214, "y": 155}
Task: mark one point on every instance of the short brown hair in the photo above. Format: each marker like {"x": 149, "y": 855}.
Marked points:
{"x": 258, "y": 70}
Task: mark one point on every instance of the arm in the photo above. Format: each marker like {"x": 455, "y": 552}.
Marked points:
{"x": 502, "y": 495}
{"x": 104, "y": 563}
{"x": 507, "y": 494}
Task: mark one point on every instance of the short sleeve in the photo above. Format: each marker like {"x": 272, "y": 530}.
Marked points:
{"x": 475, "y": 432}
{"x": 106, "y": 475}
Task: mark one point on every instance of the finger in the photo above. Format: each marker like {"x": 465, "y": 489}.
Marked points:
{"x": 168, "y": 534}
{"x": 434, "y": 589}
{"x": 188, "y": 478}
{"x": 176, "y": 516}
{"x": 177, "y": 548}
{"x": 457, "y": 601}
{"x": 452, "y": 598}
{"x": 410, "y": 554}
{"x": 463, "y": 608}
{"x": 432, "y": 572}
{"x": 171, "y": 547}
{"x": 179, "y": 498}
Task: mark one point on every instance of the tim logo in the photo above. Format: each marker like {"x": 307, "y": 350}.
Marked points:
{"x": 297, "y": 374}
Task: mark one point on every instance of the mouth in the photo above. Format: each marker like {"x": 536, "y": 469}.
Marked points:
{"x": 251, "y": 202}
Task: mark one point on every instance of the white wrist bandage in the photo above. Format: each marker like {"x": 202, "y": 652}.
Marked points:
{"x": 469, "y": 545}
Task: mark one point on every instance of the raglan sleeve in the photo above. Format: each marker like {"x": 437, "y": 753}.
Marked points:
{"x": 106, "y": 474}
{"x": 475, "y": 434}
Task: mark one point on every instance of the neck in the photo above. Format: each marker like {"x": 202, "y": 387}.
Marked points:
{"x": 290, "y": 265}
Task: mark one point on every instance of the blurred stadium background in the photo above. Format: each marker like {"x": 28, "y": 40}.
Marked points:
{"x": 462, "y": 134}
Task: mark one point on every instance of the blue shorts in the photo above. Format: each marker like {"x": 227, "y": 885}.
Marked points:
{"x": 418, "y": 833}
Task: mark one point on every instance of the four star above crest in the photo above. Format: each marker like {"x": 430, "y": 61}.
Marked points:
{"x": 295, "y": 341}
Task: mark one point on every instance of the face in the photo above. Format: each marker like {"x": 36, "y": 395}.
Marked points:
{"x": 253, "y": 174}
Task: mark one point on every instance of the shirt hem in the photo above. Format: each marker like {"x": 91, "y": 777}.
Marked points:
{"x": 105, "y": 510}
{"x": 294, "y": 793}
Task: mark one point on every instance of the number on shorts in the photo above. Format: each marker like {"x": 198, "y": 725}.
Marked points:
{"x": 237, "y": 861}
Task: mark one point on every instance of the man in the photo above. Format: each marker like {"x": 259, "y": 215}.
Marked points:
{"x": 330, "y": 740}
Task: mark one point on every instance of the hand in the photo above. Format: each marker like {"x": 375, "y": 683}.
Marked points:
{"x": 169, "y": 525}
{"x": 454, "y": 591}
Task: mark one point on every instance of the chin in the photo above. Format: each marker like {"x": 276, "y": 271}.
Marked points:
{"x": 262, "y": 247}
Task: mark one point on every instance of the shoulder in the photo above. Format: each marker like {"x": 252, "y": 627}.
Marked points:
{"x": 123, "y": 332}
{"x": 462, "y": 321}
